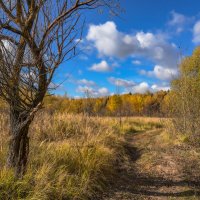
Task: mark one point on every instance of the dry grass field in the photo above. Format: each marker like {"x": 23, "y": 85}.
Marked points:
{"x": 71, "y": 156}
{"x": 81, "y": 157}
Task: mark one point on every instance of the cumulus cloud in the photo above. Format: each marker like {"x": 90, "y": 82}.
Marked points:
{"x": 161, "y": 73}
{"x": 130, "y": 86}
{"x": 196, "y": 32}
{"x": 156, "y": 88}
{"x": 144, "y": 87}
{"x": 121, "y": 82}
{"x": 84, "y": 89}
{"x": 136, "y": 62}
{"x": 103, "y": 91}
{"x": 140, "y": 88}
{"x": 111, "y": 42}
{"x": 154, "y": 47}
{"x": 86, "y": 82}
{"x": 93, "y": 92}
{"x": 101, "y": 67}
{"x": 179, "y": 21}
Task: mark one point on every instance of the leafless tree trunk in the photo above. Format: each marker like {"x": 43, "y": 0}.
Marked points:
{"x": 19, "y": 144}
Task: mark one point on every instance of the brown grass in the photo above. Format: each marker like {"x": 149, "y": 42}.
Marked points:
{"x": 71, "y": 156}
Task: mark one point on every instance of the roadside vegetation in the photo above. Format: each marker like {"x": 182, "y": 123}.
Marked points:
{"x": 185, "y": 100}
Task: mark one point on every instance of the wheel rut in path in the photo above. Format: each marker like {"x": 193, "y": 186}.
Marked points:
{"x": 152, "y": 171}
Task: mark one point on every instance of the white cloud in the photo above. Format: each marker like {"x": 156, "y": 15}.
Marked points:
{"x": 131, "y": 86}
{"x": 144, "y": 87}
{"x": 84, "y": 89}
{"x": 111, "y": 42}
{"x": 161, "y": 73}
{"x": 92, "y": 92}
{"x": 136, "y": 62}
{"x": 156, "y": 88}
{"x": 157, "y": 49}
{"x": 140, "y": 88}
{"x": 154, "y": 47}
{"x": 179, "y": 21}
{"x": 103, "y": 91}
{"x": 86, "y": 82}
{"x": 121, "y": 82}
{"x": 101, "y": 67}
{"x": 164, "y": 73}
{"x": 196, "y": 32}
{"x": 77, "y": 97}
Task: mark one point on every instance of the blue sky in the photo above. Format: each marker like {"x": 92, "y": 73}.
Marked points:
{"x": 136, "y": 52}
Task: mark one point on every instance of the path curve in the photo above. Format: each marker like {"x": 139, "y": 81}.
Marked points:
{"x": 152, "y": 172}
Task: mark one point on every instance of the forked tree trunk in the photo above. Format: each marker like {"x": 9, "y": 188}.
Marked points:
{"x": 19, "y": 143}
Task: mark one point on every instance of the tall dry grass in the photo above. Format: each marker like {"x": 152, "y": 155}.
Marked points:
{"x": 71, "y": 157}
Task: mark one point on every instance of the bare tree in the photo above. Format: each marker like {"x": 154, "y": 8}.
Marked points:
{"x": 36, "y": 36}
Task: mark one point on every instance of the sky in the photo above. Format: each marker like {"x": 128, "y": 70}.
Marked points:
{"x": 138, "y": 51}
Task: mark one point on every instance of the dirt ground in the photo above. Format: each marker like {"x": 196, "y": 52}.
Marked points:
{"x": 157, "y": 169}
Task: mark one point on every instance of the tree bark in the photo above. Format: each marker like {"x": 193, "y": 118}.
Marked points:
{"x": 19, "y": 144}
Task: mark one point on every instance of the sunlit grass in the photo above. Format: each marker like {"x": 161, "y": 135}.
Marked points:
{"x": 71, "y": 156}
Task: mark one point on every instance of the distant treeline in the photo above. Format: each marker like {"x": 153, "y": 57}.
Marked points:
{"x": 148, "y": 104}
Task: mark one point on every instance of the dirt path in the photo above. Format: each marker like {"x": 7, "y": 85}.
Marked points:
{"x": 155, "y": 171}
